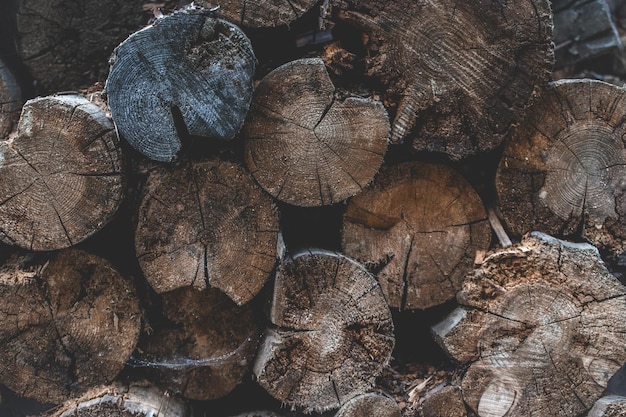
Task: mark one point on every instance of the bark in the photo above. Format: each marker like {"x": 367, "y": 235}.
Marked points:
{"x": 188, "y": 73}
{"x": 461, "y": 72}
{"x": 62, "y": 176}
{"x": 68, "y": 322}
{"x": 263, "y": 13}
{"x": 446, "y": 402}
{"x": 66, "y": 44}
{"x": 10, "y": 101}
{"x": 563, "y": 168}
{"x": 418, "y": 228}
{"x": 540, "y": 329}
{"x": 609, "y": 406}
{"x": 307, "y": 147}
{"x": 204, "y": 349}
{"x": 583, "y": 29}
{"x": 370, "y": 404}
{"x": 138, "y": 400}
{"x": 332, "y": 332}
{"x": 206, "y": 224}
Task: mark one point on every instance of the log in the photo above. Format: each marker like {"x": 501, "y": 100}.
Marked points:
{"x": 562, "y": 170}
{"x": 418, "y": 228}
{"x": 117, "y": 400}
{"x": 206, "y": 225}
{"x": 202, "y": 348}
{"x": 260, "y": 14}
{"x": 445, "y": 402}
{"x": 189, "y": 73}
{"x": 10, "y": 101}
{"x": 331, "y": 332}
{"x": 66, "y": 45}
{"x": 609, "y": 406}
{"x": 68, "y": 322}
{"x": 461, "y": 73}
{"x": 62, "y": 176}
{"x": 307, "y": 147}
{"x": 583, "y": 30}
{"x": 540, "y": 329}
{"x": 369, "y": 404}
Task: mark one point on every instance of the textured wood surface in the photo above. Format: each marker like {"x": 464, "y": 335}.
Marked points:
{"x": 563, "y": 169}
{"x": 370, "y": 404}
{"x": 189, "y": 73}
{"x": 540, "y": 329}
{"x": 260, "y": 13}
{"x": 418, "y": 228}
{"x": 68, "y": 322}
{"x": 307, "y": 147}
{"x": 462, "y": 72}
{"x": 62, "y": 174}
{"x": 331, "y": 333}
{"x": 206, "y": 224}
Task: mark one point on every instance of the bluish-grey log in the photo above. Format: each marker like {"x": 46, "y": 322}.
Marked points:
{"x": 189, "y": 73}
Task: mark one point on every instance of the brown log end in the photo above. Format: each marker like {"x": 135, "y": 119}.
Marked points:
{"x": 260, "y": 13}
{"x": 417, "y": 227}
{"x": 69, "y": 322}
{"x": 541, "y": 329}
{"x": 206, "y": 348}
{"x": 462, "y": 73}
{"x": 447, "y": 401}
{"x": 304, "y": 146}
{"x": 61, "y": 174}
{"x": 370, "y": 404}
{"x": 332, "y": 332}
{"x": 563, "y": 168}
{"x": 206, "y": 224}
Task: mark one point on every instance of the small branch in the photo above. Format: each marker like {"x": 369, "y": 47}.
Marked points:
{"x": 497, "y": 227}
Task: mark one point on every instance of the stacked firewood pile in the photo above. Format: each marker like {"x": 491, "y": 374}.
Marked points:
{"x": 334, "y": 207}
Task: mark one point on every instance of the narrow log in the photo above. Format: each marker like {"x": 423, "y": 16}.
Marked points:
{"x": 137, "y": 400}
{"x": 66, "y": 45}
{"x": 62, "y": 174}
{"x": 540, "y": 328}
{"x": 370, "y": 404}
{"x": 562, "y": 171}
{"x": 204, "y": 350}
{"x": 10, "y": 101}
{"x": 332, "y": 332}
{"x": 446, "y": 402}
{"x": 188, "y": 73}
{"x": 461, "y": 72}
{"x": 583, "y": 29}
{"x": 206, "y": 224}
{"x": 609, "y": 406}
{"x": 68, "y": 322}
{"x": 260, "y": 13}
{"x": 418, "y": 228}
{"x": 307, "y": 147}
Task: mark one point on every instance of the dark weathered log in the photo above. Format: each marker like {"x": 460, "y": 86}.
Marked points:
{"x": 206, "y": 224}
{"x": 333, "y": 332}
{"x": 205, "y": 350}
{"x": 609, "y": 406}
{"x": 10, "y": 101}
{"x": 462, "y": 72}
{"x": 541, "y": 328}
{"x": 62, "y": 174}
{"x": 307, "y": 147}
{"x": 445, "y": 402}
{"x": 369, "y": 404}
{"x": 188, "y": 73}
{"x": 418, "y": 227}
{"x": 66, "y": 44}
{"x": 68, "y": 322}
{"x": 583, "y": 29}
{"x": 137, "y": 400}
{"x": 563, "y": 168}
{"x": 259, "y": 13}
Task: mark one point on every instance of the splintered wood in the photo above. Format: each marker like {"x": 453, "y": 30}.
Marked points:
{"x": 540, "y": 328}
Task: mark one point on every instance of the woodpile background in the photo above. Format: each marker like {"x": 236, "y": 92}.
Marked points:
{"x": 330, "y": 208}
